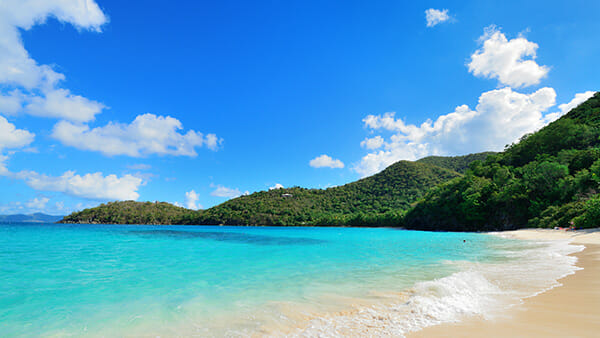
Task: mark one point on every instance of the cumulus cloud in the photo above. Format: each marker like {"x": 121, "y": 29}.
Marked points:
{"x": 372, "y": 143}
{"x": 221, "y": 191}
{"x": 11, "y": 103}
{"x": 147, "y": 134}
{"x": 501, "y": 117}
{"x": 3, "y": 170}
{"x": 11, "y": 137}
{"x": 191, "y": 200}
{"x": 566, "y": 107}
{"x": 512, "y": 62}
{"x": 83, "y": 14}
{"x": 325, "y": 161}
{"x": 94, "y": 186}
{"x": 276, "y": 186}
{"x": 37, "y": 203}
{"x": 60, "y": 103}
{"x": 577, "y": 100}
{"x": 31, "y": 88}
{"x": 436, "y": 16}
{"x": 40, "y": 95}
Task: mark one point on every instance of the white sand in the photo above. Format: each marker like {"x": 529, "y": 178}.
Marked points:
{"x": 587, "y": 236}
{"x": 570, "y": 310}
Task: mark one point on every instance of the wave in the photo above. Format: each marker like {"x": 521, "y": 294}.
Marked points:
{"x": 485, "y": 290}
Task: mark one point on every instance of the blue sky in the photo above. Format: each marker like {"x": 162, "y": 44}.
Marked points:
{"x": 195, "y": 102}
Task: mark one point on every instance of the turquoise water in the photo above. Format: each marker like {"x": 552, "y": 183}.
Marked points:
{"x": 169, "y": 280}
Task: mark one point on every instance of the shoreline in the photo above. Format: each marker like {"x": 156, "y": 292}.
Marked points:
{"x": 570, "y": 309}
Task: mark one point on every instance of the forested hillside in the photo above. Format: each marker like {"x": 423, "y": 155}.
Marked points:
{"x": 131, "y": 212}
{"x": 549, "y": 178}
{"x": 379, "y": 200}
{"x": 457, "y": 163}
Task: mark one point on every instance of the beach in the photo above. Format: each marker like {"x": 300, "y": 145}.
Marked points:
{"x": 569, "y": 310}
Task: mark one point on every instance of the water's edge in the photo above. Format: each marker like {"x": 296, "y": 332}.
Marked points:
{"x": 478, "y": 290}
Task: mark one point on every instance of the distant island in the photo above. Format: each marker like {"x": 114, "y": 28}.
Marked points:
{"x": 30, "y": 218}
{"x": 549, "y": 178}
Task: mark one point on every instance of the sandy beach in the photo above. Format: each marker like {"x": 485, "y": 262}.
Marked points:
{"x": 570, "y": 310}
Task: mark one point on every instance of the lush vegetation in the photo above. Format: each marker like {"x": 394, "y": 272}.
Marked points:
{"x": 549, "y": 178}
{"x": 379, "y": 200}
{"x": 457, "y": 163}
{"x": 130, "y": 212}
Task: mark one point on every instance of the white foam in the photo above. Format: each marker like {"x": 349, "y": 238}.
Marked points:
{"x": 479, "y": 289}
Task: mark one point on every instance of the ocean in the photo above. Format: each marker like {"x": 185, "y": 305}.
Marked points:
{"x": 140, "y": 280}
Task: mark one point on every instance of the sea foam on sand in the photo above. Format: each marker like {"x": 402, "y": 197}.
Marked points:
{"x": 571, "y": 310}
{"x": 482, "y": 290}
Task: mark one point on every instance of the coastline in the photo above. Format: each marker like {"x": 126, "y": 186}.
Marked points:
{"x": 571, "y": 309}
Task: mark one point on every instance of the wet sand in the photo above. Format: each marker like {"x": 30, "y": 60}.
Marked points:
{"x": 570, "y": 310}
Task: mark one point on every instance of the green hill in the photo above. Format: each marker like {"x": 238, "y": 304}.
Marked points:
{"x": 549, "y": 178}
{"x": 131, "y": 212}
{"x": 378, "y": 200}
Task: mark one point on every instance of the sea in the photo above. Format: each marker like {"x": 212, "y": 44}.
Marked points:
{"x": 61, "y": 280}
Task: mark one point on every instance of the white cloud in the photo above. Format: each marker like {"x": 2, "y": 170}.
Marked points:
{"x": 221, "y": 191}
{"x": 212, "y": 141}
{"x": 506, "y": 61}
{"x": 39, "y": 82}
{"x": 60, "y": 103}
{"x": 11, "y": 103}
{"x": 276, "y": 186}
{"x": 3, "y": 170}
{"x": 147, "y": 134}
{"x": 566, "y": 107}
{"x": 501, "y": 117}
{"x": 325, "y": 161}
{"x": 83, "y": 14}
{"x": 436, "y": 16}
{"x": 92, "y": 186}
{"x": 191, "y": 200}
{"x": 37, "y": 203}
{"x": 11, "y": 137}
{"x": 372, "y": 143}
{"x": 12, "y": 207}
{"x": 577, "y": 100}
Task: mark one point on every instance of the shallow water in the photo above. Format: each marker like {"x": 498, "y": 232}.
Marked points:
{"x": 101, "y": 280}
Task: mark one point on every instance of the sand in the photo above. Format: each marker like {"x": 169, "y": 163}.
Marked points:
{"x": 570, "y": 310}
